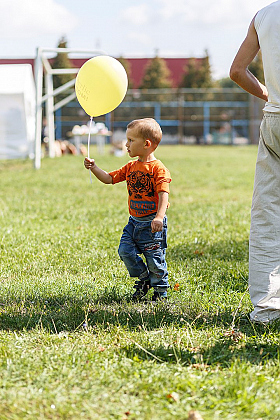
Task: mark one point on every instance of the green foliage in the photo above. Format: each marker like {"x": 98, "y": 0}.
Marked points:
{"x": 61, "y": 61}
{"x": 226, "y": 82}
{"x": 256, "y": 67}
{"x": 156, "y": 75}
{"x": 197, "y": 73}
{"x": 127, "y": 66}
{"x": 72, "y": 343}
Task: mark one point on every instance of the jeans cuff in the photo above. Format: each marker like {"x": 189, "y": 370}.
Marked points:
{"x": 144, "y": 276}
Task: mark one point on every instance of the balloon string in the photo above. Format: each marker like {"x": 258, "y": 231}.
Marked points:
{"x": 89, "y": 131}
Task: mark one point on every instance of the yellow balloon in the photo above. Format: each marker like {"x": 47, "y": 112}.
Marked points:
{"x": 101, "y": 85}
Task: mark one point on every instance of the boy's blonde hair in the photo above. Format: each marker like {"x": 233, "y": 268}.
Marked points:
{"x": 148, "y": 129}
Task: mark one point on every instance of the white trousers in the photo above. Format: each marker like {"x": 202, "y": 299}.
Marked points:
{"x": 264, "y": 243}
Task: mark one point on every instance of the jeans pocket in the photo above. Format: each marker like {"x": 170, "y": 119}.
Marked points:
{"x": 157, "y": 236}
{"x": 160, "y": 237}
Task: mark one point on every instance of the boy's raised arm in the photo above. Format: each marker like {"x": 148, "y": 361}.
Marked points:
{"x": 100, "y": 174}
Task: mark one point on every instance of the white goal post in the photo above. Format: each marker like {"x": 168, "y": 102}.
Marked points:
{"x": 44, "y": 69}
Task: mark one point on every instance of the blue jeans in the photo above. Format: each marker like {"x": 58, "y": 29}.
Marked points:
{"x": 137, "y": 238}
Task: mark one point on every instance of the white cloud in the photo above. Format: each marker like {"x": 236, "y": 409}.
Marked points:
{"x": 222, "y": 12}
{"x": 29, "y": 18}
{"x": 136, "y": 15}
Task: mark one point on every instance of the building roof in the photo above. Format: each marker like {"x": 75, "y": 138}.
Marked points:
{"x": 137, "y": 67}
{"x": 17, "y": 61}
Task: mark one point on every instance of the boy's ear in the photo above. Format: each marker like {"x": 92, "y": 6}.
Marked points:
{"x": 148, "y": 143}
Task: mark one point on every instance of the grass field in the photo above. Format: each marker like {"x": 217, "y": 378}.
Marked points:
{"x": 72, "y": 343}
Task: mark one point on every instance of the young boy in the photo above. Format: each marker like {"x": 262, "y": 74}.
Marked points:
{"x": 148, "y": 188}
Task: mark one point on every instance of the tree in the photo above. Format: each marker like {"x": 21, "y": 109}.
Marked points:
{"x": 205, "y": 71}
{"x": 127, "y": 66}
{"x": 256, "y": 67}
{"x": 156, "y": 75}
{"x": 61, "y": 61}
{"x": 226, "y": 82}
{"x": 197, "y": 73}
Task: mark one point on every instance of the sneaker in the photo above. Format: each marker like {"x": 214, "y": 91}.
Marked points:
{"x": 157, "y": 296}
{"x": 142, "y": 287}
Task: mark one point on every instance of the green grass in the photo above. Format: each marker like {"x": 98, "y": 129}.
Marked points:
{"x": 72, "y": 343}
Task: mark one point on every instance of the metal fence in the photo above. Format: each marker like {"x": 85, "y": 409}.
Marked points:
{"x": 187, "y": 116}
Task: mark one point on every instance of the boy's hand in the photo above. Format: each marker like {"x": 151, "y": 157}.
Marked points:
{"x": 89, "y": 163}
{"x": 157, "y": 224}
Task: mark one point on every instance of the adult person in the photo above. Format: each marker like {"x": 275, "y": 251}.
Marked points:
{"x": 264, "y": 243}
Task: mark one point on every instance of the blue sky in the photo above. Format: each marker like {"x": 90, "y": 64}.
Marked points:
{"x": 132, "y": 28}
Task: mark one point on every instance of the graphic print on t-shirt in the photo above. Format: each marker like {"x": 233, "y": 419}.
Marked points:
{"x": 145, "y": 180}
{"x": 140, "y": 184}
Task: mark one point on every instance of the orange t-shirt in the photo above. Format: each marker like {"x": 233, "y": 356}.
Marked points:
{"x": 144, "y": 182}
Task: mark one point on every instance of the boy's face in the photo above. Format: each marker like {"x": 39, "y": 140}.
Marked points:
{"x": 135, "y": 144}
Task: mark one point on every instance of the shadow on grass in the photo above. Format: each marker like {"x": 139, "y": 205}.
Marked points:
{"x": 222, "y": 354}
{"x": 243, "y": 342}
{"x": 61, "y": 314}
{"x": 67, "y": 314}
